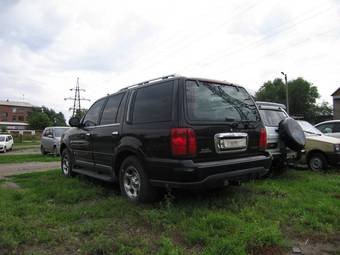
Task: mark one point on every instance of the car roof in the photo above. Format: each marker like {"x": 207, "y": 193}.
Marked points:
{"x": 328, "y": 121}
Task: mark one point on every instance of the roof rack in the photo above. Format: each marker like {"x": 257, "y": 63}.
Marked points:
{"x": 149, "y": 81}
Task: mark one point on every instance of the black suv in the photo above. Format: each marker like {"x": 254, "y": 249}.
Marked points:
{"x": 172, "y": 131}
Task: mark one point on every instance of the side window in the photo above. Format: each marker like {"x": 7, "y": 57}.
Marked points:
{"x": 46, "y": 132}
{"x": 336, "y": 128}
{"x": 110, "y": 109}
{"x": 153, "y": 103}
{"x": 92, "y": 115}
{"x": 7, "y": 138}
{"x": 326, "y": 128}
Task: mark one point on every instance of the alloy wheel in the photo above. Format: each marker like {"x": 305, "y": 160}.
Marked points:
{"x": 131, "y": 182}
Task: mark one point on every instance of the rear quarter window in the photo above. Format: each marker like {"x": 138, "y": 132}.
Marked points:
{"x": 272, "y": 118}
{"x": 153, "y": 103}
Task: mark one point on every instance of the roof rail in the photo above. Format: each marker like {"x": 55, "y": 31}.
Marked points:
{"x": 149, "y": 81}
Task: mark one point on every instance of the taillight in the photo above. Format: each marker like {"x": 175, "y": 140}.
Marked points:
{"x": 263, "y": 139}
{"x": 183, "y": 142}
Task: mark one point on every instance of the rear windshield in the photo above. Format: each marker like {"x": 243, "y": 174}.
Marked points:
{"x": 272, "y": 118}
{"x": 59, "y": 131}
{"x": 215, "y": 102}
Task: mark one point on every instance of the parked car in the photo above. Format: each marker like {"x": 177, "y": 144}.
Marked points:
{"x": 330, "y": 128}
{"x": 321, "y": 150}
{"x": 50, "y": 140}
{"x": 173, "y": 132}
{"x": 272, "y": 114}
{"x": 6, "y": 143}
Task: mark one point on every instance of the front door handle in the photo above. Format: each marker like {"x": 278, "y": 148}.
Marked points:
{"x": 88, "y": 134}
{"x": 115, "y": 133}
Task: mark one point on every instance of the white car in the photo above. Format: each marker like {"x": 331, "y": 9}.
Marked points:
{"x": 330, "y": 128}
{"x": 6, "y": 143}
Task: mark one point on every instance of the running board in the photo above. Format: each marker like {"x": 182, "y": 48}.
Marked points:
{"x": 92, "y": 174}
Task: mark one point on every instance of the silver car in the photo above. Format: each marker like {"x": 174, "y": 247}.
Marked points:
{"x": 271, "y": 115}
{"x": 330, "y": 128}
{"x": 50, "y": 140}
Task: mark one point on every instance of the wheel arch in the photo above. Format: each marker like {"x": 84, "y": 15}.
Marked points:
{"x": 315, "y": 151}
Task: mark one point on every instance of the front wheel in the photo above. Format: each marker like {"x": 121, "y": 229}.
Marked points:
{"x": 66, "y": 163}
{"x": 42, "y": 150}
{"x": 5, "y": 149}
{"x": 134, "y": 184}
{"x": 317, "y": 162}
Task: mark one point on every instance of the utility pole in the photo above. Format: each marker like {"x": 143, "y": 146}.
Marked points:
{"x": 76, "y": 109}
{"x": 287, "y": 101}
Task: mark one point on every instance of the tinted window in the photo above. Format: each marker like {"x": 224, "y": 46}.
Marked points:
{"x": 92, "y": 115}
{"x": 326, "y": 128}
{"x": 208, "y": 101}
{"x": 153, "y": 103}
{"x": 110, "y": 110}
{"x": 272, "y": 118}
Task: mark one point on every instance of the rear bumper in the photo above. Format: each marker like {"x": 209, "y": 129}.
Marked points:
{"x": 188, "y": 174}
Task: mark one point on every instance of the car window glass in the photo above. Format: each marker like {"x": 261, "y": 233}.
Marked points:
{"x": 272, "y": 118}
{"x": 2, "y": 138}
{"x": 336, "y": 128}
{"x": 92, "y": 115}
{"x": 326, "y": 128}
{"x": 153, "y": 103}
{"x": 208, "y": 101}
{"x": 7, "y": 139}
{"x": 110, "y": 109}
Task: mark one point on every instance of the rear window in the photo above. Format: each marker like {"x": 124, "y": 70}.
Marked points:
{"x": 272, "y": 118}
{"x": 58, "y": 132}
{"x": 153, "y": 103}
{"x": 215, "y": 102}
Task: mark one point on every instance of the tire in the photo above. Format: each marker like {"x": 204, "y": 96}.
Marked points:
{"x": 43, "y": 152}
{"x": 55, "y": 151}
{"x": 133, "y": 182}
{"x": 317, "y": 162}
{"x": 5, "y": 149}
{"x": 66, "y": 163}
{"x": 292, "y": 134}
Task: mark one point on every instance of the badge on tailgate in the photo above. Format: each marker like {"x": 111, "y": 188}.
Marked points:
{"x": 231, "y": 142}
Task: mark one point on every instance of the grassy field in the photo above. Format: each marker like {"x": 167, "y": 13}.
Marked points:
{"x": 27, "y": 144}
{"x": 7, "y": 158}
{"x": 50, "y": 214}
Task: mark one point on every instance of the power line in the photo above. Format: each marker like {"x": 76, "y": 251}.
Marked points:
{"x": 260, "y": 42}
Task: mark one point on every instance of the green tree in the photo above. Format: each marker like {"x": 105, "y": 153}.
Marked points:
{"x": 302, "y": 96}
{"x": 38, "y": 120}
{"x": 57, "y": 119}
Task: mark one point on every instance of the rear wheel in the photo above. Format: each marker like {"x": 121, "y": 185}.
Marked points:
{"x": 66, "y": 163}
{"x": 317, "y": 162}
{"x": 55, "y": 151}
{"x": 134, "y": 184}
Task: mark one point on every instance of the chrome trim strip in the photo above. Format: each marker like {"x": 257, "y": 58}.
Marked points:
{"x": 231, "y": 136}
{"x": 106, "y": 125}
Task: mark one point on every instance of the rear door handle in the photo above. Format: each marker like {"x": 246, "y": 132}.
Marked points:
{"x": 115, "y": 133}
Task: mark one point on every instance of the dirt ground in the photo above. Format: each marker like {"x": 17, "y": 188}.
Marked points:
{"x": 13, "y": 169}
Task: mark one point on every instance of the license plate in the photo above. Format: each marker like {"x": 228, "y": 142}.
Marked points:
{"x": 233, "y": 143}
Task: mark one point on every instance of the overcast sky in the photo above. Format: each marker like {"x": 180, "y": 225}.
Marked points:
{"x": 46, "y": 45}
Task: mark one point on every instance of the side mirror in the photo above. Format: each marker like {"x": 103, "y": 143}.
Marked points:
{"x": 50, "y": 136}
{"x": 74, "y": 122}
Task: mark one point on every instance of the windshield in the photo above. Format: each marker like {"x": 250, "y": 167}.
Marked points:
{"x": 208, "y": 101}
{"x": 2, "y": 138}
{"x": 59, "y": 131}
{"x": 309, "y": 128}
{"x": 272, "y": 118}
